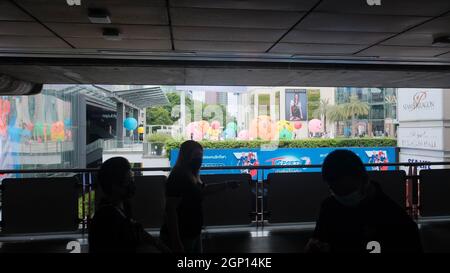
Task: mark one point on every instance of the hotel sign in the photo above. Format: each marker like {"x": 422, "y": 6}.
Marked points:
{"x": 420, "y": 104}
{"x": 421, "y": 138}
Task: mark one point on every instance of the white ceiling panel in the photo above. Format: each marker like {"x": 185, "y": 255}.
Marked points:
{"x": 23, "y": 29}
{"x": 226, "y": 34}
{"x": 124, "y": 44}
{"x": 335, "y": 37}
{"x": 316, "y": 49}
{"x": 120, "y": 14}
{"x": 358, "y": 22}
{"x": 387, "y": 7}
{"x": 31, "y": 42}
{"x": 414, "y": 39}
{"x": 403, "y": 51}
{"x": 234, "y": 18}
{"x": 286, "y": 5}
{"x": 96, "y": 30}
{"x": 216, "y": 46}
{"x": 10, "y": 12}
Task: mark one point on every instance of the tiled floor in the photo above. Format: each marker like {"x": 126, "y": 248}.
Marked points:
{"x": 435, "y": 236}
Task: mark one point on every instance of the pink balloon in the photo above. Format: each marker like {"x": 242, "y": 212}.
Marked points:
{"x": 315, "y": 125}
{"x": 215, "y": 125}
{"x": 193, "y": 130}
{"x": 243, "y": 135}
{"x": 297, "y": 125}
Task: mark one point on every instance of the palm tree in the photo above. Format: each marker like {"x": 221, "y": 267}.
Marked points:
{"x": 355, "y": 108}
{"x": 322, "y": 111}
{"x": 336, "y": 114}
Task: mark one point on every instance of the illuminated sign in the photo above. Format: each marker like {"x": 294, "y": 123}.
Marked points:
{"x": 73, "y": 2}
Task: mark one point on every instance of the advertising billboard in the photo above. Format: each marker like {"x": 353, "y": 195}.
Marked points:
{"x": 296, "y": 105}
{"x": 284, "y": 156}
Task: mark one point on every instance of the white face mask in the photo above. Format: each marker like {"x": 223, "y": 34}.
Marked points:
{"x": 350, "y": 200}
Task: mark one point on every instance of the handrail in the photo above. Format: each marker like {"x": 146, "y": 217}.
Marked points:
{"x": 260, "y": 167}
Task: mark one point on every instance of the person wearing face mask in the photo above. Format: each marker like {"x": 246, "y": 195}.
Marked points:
{"x": 183, "y": 223}
{"x": 112, "y": 229}
{"x": 358, "y": 212}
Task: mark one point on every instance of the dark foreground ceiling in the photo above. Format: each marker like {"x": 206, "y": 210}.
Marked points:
{"x": 234, "y": 42}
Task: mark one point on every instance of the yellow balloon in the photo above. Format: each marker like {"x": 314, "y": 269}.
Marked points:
{"x": 140, "y": 130}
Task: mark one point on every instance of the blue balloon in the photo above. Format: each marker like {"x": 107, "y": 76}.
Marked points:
{"x": 130, "y": 123}
{"x": 67, "y": 123}
{"x": 229, "y": 133}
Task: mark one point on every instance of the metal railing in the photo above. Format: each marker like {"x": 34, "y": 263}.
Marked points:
{"x": 87, "y": 186}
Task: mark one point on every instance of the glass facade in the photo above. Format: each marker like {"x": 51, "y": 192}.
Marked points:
{"x": 382, "y": 109}
{"x": 37, "y": 131}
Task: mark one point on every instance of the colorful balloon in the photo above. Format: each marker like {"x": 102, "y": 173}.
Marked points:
{"x": 193, "y": 131}
{"x": 297, "y": 125}
{"x": 315, "y": 125}
{"x": 203, "y": 126}
{"x": 130, "y": 123}
{"x": 215, "y": 125}
{"x": 230, "y": 133}
{"x": 263, "y": 128}
{"x": 285, "y": 134}
{"x": 232, "y": 126}
{"x": 243, "y": 135}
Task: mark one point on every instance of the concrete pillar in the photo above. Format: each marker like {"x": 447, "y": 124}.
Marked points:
{"x": 272, "y": 106}
{"x": 256, "y": 104}
{"x": 424, "y": 125}
{"x": 282, "y": 104}
{"x": 119, "y": 124}
{"x": 79, "y": 122}
{"x": 182, "y": 112}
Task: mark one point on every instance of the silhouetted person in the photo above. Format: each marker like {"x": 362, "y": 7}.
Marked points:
{"x": 358, "y": 212}
{"x": 182, "y": 228}
{"x": 112, "y": 229}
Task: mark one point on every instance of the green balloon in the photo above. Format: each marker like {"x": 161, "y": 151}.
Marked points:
{"x": 285, "y": 134}
{"x": 39, "y": 129}
{"x": 232, "y": 126}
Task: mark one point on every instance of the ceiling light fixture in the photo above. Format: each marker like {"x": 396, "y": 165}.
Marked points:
{"x": 445, "y": 40}
{"x": 112, "y": 34}
{"x": 99, "y": 16}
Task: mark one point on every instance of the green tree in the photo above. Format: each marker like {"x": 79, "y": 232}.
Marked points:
{"x": 322, "y": 112}
{"x": 336, "y": 114}
{"x": 158, "y": 116}
{"x": 355, "y": 108}
{"x": 313, "y": 100}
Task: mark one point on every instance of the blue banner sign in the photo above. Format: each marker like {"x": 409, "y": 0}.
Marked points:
{"x": 284, "y": 156}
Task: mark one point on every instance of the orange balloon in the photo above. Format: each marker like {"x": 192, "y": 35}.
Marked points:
{"x": 263, "y": 127}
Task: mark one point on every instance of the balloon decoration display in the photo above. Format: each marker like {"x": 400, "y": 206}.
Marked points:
{"x": 243, "y": 135}
{"x": 42, "y": 131}
{"x": 130, "y": 123}
{"x": 5, "y": 108}
{"x": 204, "y": 127}
{"x": 67, "y": 123}
{"x": 297, "y": 125}
{"x": 213, "y": 134}
{"x": 315, "y": 126}
{"x": 285, "y": 130}
{"x": 232, "y": 126}
{"x": 193, "y": 131}
{"x": 263, "y": 128}
{"x": 57, "y": 131}
{"x": 214, "y": 131}
{"x": 215, "y": 125}
{"x": 230, "y": 131}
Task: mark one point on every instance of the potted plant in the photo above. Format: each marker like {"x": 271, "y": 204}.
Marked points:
{"x": 157, "y": 142}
